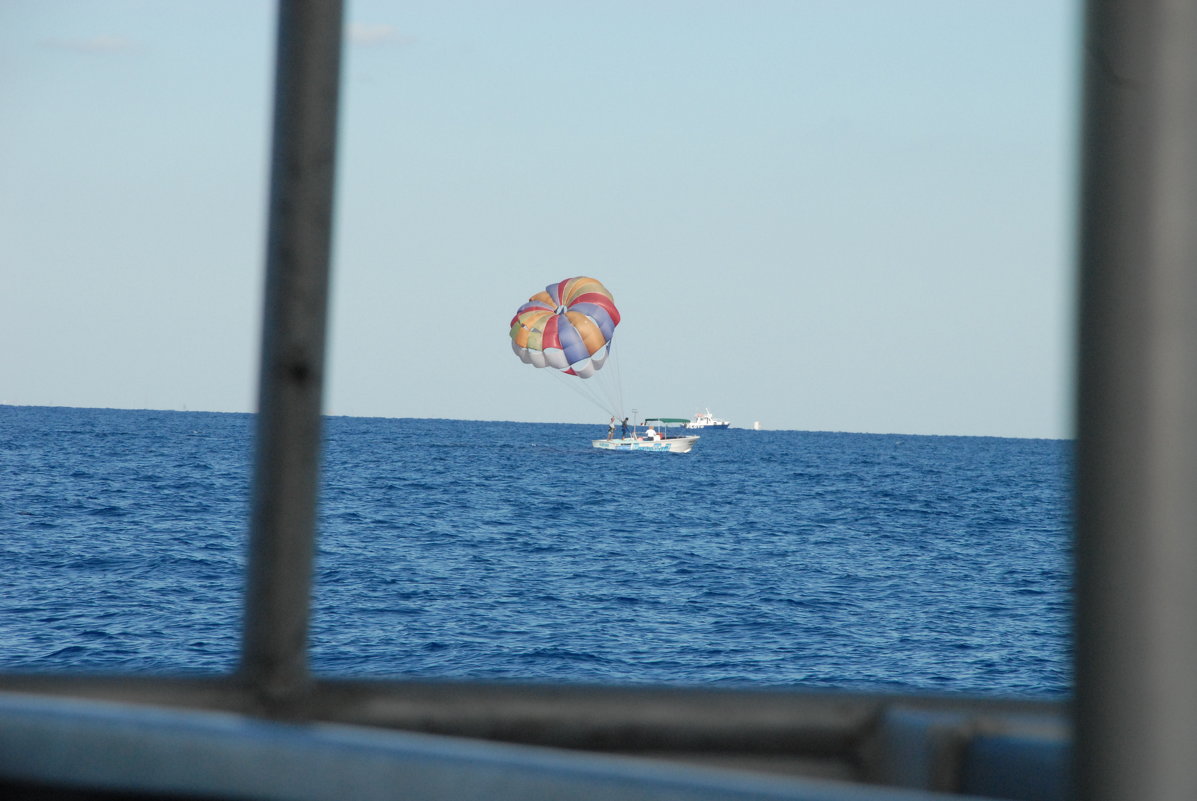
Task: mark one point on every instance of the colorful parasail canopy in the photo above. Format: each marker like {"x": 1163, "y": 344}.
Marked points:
{"x": 567, "y": 326}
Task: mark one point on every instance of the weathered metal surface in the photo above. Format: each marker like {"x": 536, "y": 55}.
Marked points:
{"x": 944, "y": 743}
{"x": 287, "y": 458}
{"x": 97, "y": 746}
{"x": 1137, "y": 405}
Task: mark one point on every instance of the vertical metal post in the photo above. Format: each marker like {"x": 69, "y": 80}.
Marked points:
{"x": 1137, "y": 409}
{"x": 287, "y": 458}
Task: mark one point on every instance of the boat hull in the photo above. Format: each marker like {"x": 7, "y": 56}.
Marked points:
{"x": 670, "y": 445}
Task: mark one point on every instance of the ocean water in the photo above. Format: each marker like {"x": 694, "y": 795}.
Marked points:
{"x": 512, "y": 551}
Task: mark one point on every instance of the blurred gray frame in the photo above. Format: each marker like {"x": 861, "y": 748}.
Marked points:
{"x": 272, "y": 730}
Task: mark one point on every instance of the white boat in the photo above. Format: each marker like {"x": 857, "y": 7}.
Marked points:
{"x": 654, "y": 438}
{"x": 706, "y": 420}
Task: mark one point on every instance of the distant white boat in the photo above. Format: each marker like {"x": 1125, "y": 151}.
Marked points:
{"x": 756, "y": 425}
{"x": 707, "y": 420}
{"x": 654, "y": 438}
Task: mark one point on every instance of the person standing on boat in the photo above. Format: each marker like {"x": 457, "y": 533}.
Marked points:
{"x": 611, "y": 429}
{"x": 651, "y": 433}
{"x": 625, "y": 428}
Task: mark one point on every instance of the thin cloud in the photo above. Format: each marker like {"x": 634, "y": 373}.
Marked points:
{"x": 93, "y": 44}
{"x": 374, "y": 34}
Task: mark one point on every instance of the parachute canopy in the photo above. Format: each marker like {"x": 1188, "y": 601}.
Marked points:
{"x": 567, "y": 326}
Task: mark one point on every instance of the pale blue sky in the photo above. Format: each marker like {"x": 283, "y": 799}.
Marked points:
{"x": 848, "y": 215}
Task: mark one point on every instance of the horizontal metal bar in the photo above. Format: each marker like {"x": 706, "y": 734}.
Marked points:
{"x": 848, "y": 736}
{"x": 52, "y": 743}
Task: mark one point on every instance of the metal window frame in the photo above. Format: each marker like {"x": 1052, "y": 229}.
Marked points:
{"x": 1136, "y": 702}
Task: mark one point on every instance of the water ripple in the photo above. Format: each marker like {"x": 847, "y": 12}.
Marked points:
{"x": 505, "y": 551}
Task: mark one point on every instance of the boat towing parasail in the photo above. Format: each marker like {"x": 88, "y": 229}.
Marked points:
{"x": 655, "y": 438}
{"x": 567, "y": 330}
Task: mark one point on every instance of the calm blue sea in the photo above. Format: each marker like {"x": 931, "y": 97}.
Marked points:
{"x": 512, "y": 551}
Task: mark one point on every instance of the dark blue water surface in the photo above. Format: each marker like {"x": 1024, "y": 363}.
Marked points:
{"x": 488, "y": 550}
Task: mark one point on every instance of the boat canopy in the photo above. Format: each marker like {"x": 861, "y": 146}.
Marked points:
{"x": 666, "y": 420}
